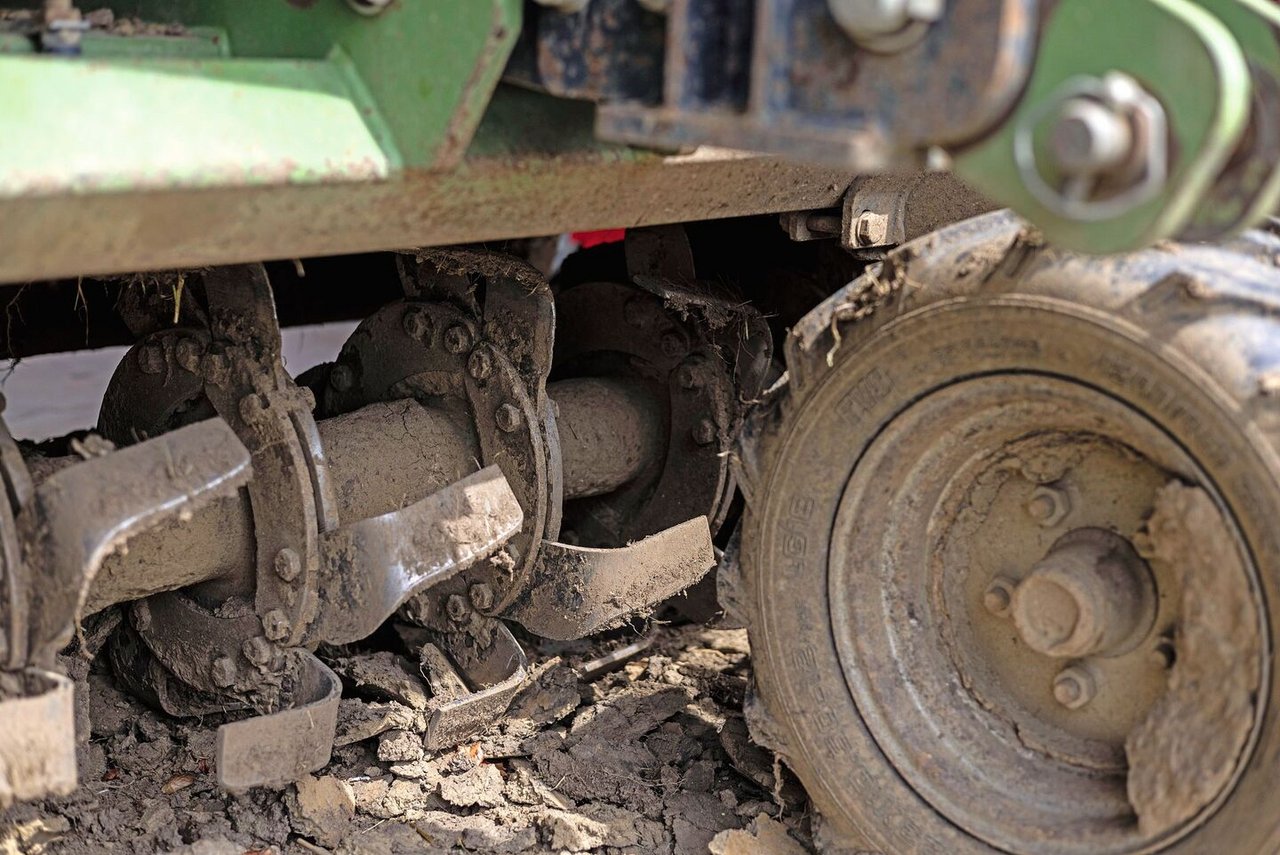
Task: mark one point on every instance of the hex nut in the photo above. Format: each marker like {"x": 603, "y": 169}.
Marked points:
{"x": 417, "y": 323}
{"x": 508, "y": 418}
{"x": 223, "y": 672}
{"x": 341, "y": 377}
{"x": 258, "y": 650}
{"x": 252, "y": 406}
{"x": 998, "y": 598}
{"x": 215, "y": 368}
{"x": 151, "y": 358}
{"x": 456, "y": 607}
{"x": 1049, "y": 505}
{"x": 276, "y": 625}
{"x": 288, "y": 564}
{"x": 480, "y": 364}
{"x": 1074, "y": 687}
{"x": 142, "y": 616}
{"x": 704, "y": 432}
{"x": 457, "y": 339}
{"x": 871, "y": 229}
{"x": 481, "y": 596}
{"x": 187, "y": 353}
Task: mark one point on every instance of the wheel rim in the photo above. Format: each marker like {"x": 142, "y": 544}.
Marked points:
{"x": 942, "y": 520}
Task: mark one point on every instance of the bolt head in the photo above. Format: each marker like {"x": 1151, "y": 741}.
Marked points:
{"x": 187, "y": 353}
{"x": 456, "y": 608}
{"x": 508, "y": 418}
{"x": 276, "y": 625}
{"x": 672, "y": 344}
{"x": 481, "y": 596}
{"x": 215, "y": 368}
{"x": 223, "y": 672}
{"x": 704, "y": 432}
{"x": 687, "y": 377}
{"x": 252, "y": 407}
{"x": 457, "y": 339}
{"x": 288, "y": 564}
{"x": 480, "y": 364}
{"x": 151, "y": 358}
{"x": 142, "y": 616}
{"x": 341, "y": 377}
{"x": 1074, "y": 687}
{"x": 998, "y": 598}
{"x": 258, "y": 650}
{"x": 1049, "y": 506}
{"x": 417, "y": 323}
{"x": 1090, "y": 137}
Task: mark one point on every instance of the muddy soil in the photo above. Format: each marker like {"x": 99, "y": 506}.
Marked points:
{"x": 649, "y": 754}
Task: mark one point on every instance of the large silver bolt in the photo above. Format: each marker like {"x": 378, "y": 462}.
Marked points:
{"x": 223, "y": 672}
{"x": 871, "y": 229}
{"x": 1074, "y": 687}
{"x": 886, "y": 25}
{"x": 1091, "y": 138}
{"x": 1090, "y": 595}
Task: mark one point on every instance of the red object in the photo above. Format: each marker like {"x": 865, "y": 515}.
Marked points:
{"x": 586, "y": 240}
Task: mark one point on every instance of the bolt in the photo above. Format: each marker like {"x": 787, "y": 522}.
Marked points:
{"x": 1164, "y": 654}
{"x": 1074, "y": 687}
{"x": 456, "y": 607}
{"x": 275, "y": 625}
{"x": 187, "y": 353}
{"x": 999, "y": 596}
{"x": 688, "y": 377}
{"x": 252, "y": 407}
{"x": 481, "y": 596}
{"x": 871, "y": 229}
{"x": 223, "y": 672}
{"x": 369, "y": 8}
{"x": 480, "y": 364}
{"x": 215, "y": 368}
{"x": 258, "y": 650}
{"x": 508, "y": 418}
{"x": 341, "y": 377}
{"x": 141, "y": 616}
{"x": 417, "y": 323}
{"x": 672, "y": 344}
{"x": 1049, "y": 506}
{"x": 885, "y": 24}
{"x": 457, "y": 339}
{"x": 288, "y": 564}
{"x": 704, "y": 432}
{"x": 151, "y": 358}
{"x": 1091, "y": 138}
{"x": 638, "y": 312}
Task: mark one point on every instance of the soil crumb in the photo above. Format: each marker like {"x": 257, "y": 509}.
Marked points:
{"x": 648, "y": 756}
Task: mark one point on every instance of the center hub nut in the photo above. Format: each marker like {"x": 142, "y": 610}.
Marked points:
{"x": 1090, "y": 595}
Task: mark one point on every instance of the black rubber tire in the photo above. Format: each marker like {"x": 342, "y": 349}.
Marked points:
{"x": 1188, "y": 335}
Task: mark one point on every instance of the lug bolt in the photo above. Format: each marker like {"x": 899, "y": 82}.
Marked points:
{"x": 275, "y": 625}
{"x": 998, "y": 597}
{"x": 457, "y": 339}
{"x": 151, "y": 358}
{"x": 1049, "y": 506}
{"x": 288, "y": 564}
{"x": 481, "y": 596}
{"x": 688, "y": 378}
{"x": 672, "y": 344}
{"x": 417, "y": 323}
{"x": 215, "y": 368}
{"x": 223, "y": 672}
{"x": 252, "y": 407}
{"x": 187, "y": 353}
{"x": 141, "y": 616}
{"x": 1074, "y": 687}
{"x": 480, "y": 364}
{"x": 508, "y": 418}
{"x": 258, "y": 650}
{"x": 341, "y": 377}
{"x": 456, "y": 607}
{"x": 704, "y": 432}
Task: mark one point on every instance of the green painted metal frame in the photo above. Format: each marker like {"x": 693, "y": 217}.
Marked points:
{"x": 258, "y": 92}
